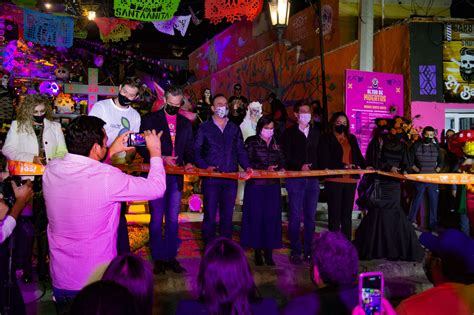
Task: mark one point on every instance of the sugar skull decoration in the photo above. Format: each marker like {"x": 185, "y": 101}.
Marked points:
{"x": 466, "y": 67}
{"x": 64, "y": 104}
{"x": 49, "y": 87}
{"x": 62, "y": 73}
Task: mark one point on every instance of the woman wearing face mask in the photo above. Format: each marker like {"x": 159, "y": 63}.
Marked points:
{"x": 338, "y": 149}
{"x": 261, "y": 221}
{"x": 34, "y": 137}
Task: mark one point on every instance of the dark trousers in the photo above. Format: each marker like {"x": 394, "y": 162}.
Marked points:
{"x": 165, "y": 246}
{"x": 15, "y": 305}
{"x": 340, "y": 203}
{"x": 303, "y": 195}
{"x": 123, "y": 243}
{"x": 219, "y": 195}
{"x": 433, "y": 192}
{"x": 63, "y": 299}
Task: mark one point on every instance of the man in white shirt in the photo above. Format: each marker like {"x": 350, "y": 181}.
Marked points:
{"x": 120, "y": 117}
{"x": 8, "y": 217}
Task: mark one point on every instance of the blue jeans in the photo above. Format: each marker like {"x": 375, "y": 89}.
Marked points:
{"x": 219, "y": 194}
{"x": 64, "y": 299}
{"x": 164, "y": 246}
{"x": 433, "y": 192}
{"x": 303, "y": 195}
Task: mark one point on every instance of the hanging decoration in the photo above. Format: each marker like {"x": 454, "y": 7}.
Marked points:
{"x": 73, "y": 7}
{"x": 194, "y": 18}
{"x": 25, "y": 3}
{"x": 120, "y": 32}
{"x": 47, "y": 29}
{"x": 216, "y": 10}
{"x": 148, "y": 11}
{"x": 180, "y": 23}
{"x": 106, "y": 25}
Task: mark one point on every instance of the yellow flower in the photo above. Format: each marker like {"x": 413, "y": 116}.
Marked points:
{"x": 468, "y": 148}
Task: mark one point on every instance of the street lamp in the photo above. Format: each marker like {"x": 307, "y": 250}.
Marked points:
{"x": 280, "y": 14}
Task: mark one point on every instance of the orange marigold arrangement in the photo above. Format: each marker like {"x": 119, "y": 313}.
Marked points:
{"x": 399, "y": 125}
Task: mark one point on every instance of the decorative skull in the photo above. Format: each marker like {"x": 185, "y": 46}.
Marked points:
{"x": 64, "y": 104}
{"x": 62, "y": 73}
{"x": 49, "y": 87}
{"x": 466, "y": 67}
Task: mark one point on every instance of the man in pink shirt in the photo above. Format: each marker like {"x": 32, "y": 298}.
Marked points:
{"x": 83, "y": 198}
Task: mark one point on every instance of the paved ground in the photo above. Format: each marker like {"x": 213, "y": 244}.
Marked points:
{"x": 283, "y": 282}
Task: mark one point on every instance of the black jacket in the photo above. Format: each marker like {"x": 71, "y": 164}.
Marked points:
{"x": 224, "y": 150}
{"x": 300, "y": 150}
{"x": 330, "y": 152}
{"x": 262, "y": 156}
{"x": 183, "y": 143}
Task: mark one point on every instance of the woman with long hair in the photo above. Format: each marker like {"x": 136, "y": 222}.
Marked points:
{"x": 261, "y": 220}
{"x": 136, "y": 275}
{"x": 226, "y": 285}
{"x": 385, "y": 231}
{"x": 338, "y": 149}
{"x": 34, "y": 137}
{"x": 203, "y": 107}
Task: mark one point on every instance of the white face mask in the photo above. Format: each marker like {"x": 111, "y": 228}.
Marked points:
{"x": 222, "y": 111}
{"x": 304, "y": 118}
{"x": 267, "y": 133}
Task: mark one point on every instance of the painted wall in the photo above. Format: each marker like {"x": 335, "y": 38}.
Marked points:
{"x": 432, "y": 113}
{"x": 276, "y": 69}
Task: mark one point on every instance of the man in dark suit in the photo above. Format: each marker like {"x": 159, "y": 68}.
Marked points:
{"x": 300, "y": 145}
{"x": 177, "y": 149}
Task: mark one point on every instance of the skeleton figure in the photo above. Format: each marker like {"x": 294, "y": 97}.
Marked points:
{"x": 466, "y": 67}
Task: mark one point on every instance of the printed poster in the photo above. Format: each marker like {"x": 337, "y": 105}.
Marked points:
{"x": 371, "y": 95}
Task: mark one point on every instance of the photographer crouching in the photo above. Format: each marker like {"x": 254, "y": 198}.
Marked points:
{"x": 13, "y": 200}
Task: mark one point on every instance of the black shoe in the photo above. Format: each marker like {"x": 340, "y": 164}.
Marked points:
{"x": 26, "y": 278}
{"x": 175, "y": 266}
{"x": 295, "y": 259}
{"x": 159, "y": 268}
{"x": 258, "y": 257}
{"x": 268, "y": 255}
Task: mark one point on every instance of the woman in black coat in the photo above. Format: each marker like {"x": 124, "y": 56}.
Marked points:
{"x": 261, "y": 221}
{"x": 338, "y": 149}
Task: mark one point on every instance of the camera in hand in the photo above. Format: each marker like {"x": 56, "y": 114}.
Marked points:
{"x": 6, "y": 189}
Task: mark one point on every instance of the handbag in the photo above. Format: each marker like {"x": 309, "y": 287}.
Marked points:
{"x": 368, "y": 191}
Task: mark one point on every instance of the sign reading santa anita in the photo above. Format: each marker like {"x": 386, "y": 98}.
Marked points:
{"x": 371, "y": 95}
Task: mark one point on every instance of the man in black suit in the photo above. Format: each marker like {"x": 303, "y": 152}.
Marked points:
{"x": 177, "y": 149}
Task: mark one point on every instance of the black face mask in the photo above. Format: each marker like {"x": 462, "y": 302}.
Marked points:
{"x": 340, "y": 129}
{"x": 171, "y": 110}
{"x": 124, "y": 101}
{"x": 39, "y": 119}
{"x": 428, "y": 140}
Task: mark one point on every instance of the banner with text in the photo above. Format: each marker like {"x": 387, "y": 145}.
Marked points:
{"x": 371, "y": 95}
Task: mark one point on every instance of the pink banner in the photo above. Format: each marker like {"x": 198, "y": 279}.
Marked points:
{"x": 371, "y": 95}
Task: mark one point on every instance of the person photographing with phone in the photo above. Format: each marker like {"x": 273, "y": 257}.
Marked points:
{"x": 177, "y": 148}
{"x": 11, "y": 300}
{"x": 83, "y": 238}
